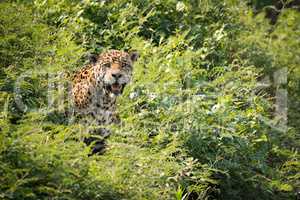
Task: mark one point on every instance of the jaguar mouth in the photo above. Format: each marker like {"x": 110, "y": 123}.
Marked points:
{"x": 116, "y": 88}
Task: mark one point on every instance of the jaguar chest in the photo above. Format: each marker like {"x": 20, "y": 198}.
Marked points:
{"x": 102, "y": 107}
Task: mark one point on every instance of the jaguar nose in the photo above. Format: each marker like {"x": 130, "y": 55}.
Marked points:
{"x": 116, "y": 76}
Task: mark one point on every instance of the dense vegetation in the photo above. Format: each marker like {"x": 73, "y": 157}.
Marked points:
{"x": 201, "y": 119}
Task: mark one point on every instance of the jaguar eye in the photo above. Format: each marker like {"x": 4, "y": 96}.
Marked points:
{"x": 107, "y": 65}
{"x": 125, "y": 65}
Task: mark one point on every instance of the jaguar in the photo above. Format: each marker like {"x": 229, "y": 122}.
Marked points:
{"x": 96, "y": 87}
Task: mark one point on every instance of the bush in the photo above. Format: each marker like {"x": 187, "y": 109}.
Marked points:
{"x": 196, "y": 122}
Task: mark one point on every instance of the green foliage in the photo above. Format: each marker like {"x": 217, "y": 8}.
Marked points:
{"x": 195, "y": 122}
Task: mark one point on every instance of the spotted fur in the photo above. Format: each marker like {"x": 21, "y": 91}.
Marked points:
{"x": 96, "y": 86}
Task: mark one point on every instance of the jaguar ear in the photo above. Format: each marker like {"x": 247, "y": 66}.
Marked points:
{"x": 134, "y": 56}
{"x": 92, "y": 57}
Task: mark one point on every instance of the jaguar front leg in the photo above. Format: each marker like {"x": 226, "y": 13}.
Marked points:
{"x": 98, "y": 133}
